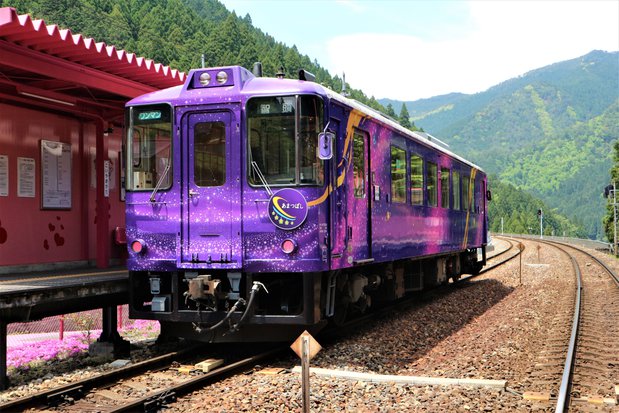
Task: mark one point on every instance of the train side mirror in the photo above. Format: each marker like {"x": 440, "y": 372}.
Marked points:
{"x": 325, "y": 145}
{"x": 489, "y": 195}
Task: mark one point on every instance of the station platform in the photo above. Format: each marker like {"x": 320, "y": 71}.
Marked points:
{"x": 31, "y": 296}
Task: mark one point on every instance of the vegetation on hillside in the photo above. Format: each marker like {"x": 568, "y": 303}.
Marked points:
{"x": 177, "y": 32}
{"x": 548, "y": 132}
{"x": 609, "y": 218}
{"x": 518, "y": 209}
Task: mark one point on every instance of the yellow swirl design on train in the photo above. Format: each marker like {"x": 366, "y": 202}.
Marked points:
{"x": 279, "y": 209}
{"x": 354, "y": 119}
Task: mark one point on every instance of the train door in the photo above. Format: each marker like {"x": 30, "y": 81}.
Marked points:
{"x": 359, "y": 223}
{"x": 211, "y": 223}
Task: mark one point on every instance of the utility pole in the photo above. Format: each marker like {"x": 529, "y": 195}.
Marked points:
{"x": 502, "y": 226}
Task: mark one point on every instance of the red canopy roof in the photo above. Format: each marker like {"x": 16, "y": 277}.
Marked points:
{"x": 59, "y": 66}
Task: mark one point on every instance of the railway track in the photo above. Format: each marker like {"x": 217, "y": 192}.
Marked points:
{"x": 152, "y": 384}
{"x": 144, "y": 386}
{"x": 578, "y": 366}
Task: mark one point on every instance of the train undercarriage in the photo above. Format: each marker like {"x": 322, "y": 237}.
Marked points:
{"x": 221, "y": 306}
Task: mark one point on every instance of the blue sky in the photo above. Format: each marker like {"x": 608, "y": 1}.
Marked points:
{"x": 412, "y": 49}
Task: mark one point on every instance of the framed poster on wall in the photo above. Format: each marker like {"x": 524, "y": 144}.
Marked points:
{"x": 55, "y": 175}
{"x": 4, "y": 175}
{"x": 25, "y": 177}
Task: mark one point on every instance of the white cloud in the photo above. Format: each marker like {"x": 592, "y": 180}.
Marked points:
{"x": 353, "y": 5}
{"x": 508, "y": 39}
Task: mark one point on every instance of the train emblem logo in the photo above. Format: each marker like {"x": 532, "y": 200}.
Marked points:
{"x": 287, "y": 209}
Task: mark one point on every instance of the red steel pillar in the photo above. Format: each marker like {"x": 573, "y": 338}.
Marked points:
{"x": 103, "y": 203}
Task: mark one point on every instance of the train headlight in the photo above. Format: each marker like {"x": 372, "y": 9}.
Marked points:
{"x": 138, "y": 246}
{"x": 205, "y": 78}
{"x": 222, "y": 77}
{"x": 289, "y": 246}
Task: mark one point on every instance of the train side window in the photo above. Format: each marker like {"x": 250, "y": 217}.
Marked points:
{"x": 431, "y": 184}
{"x": 210, "y": 154}
{"x": 455, "y": 177}
{"x": 466, "y": 182}
{"x": 398, "y": 174}
{"x": 416, "y": 180}
{"x": 445, "y": 188}
{"x": 473, "y": 201}
{"x": 358, "y": 165}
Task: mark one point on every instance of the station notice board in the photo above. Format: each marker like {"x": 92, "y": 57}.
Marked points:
{"x": 55, "y": 175}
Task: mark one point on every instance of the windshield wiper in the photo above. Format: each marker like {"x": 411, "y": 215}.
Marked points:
{"x": 160, "y": 182}
{"x": 254, "y": 165}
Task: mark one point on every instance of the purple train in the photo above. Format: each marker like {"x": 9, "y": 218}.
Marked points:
{"x": 260, "y": 207}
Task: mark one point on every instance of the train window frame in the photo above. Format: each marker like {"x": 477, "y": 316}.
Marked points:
{"x": 300, "y": 149}
{"x": 466, "y": 185}
{"x": 161, "y": 164}
{"x": 219, "y": 172}
{"x": 445, "y": 192}
{"x": 417, "y": 192}
{"x": 401, "y": 188}
{"x": 359, "y": 185}
{"x": 432, "y": 191}
{"x": 456, "y": 183}
{"x": 474, "y": 202}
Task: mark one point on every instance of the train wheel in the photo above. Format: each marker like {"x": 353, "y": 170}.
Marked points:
{"x": 342, "y": 300}
{"x": 341, "y": 311}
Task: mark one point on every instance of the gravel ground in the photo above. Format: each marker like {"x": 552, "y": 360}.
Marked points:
{"x": 490, "y": 328}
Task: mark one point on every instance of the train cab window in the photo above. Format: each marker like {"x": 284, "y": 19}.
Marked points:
{"x": 149, "y": 136}
{"x": 210, "y": 154}
{"x": 455, "y": 178}
{"x": 445, "y": 188}
{"x": 358, "y": 159}
{"x": 466, "y": 184}
{"x": 398, "y": 174}
{"x": 431, "y": 184}
{"x": 416, "y": 180}
{"x": 282, "y": 140}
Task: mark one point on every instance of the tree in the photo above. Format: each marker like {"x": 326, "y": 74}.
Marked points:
{"x": 390, "y": 112}
{"x": 609, "y": 219}
{"x": 404, "y": 117}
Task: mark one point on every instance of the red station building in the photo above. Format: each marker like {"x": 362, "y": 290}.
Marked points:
{"x": 61, "y": 125}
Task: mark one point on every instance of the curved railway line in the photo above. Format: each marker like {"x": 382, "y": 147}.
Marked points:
{"x": 578, "y": 367}
{"x": 154, "y": 383}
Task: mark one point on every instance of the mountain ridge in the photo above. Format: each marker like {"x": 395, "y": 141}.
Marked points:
{"x": 544, "y": 132}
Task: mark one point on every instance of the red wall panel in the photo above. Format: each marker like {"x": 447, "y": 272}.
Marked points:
{"x": 31, "y": 235}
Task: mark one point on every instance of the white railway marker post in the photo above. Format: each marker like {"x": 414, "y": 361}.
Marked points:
{"x": 306, "y": 348}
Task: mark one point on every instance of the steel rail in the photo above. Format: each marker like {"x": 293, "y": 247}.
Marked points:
{"x": 493, "y": 266}
{"x": 568, "y": 367}
{"x": 58, "y": 395}
{"x": 613, "y": 275}
{"x": 566, "y": 378}
{"x": 563, "y": 396}
{"x": 162, "y": 397}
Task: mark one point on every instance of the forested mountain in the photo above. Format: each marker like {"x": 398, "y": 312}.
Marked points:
{"x": 549, "y": 132}
{"x": 178, "y": 32}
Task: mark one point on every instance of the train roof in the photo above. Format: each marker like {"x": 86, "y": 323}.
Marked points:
{"x": 240, "y": 84}
{"x": 422, "y": 137}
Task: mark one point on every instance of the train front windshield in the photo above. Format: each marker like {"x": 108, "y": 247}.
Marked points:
{"x": 149, "y": 150}
{"x": 283, "y": 136}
